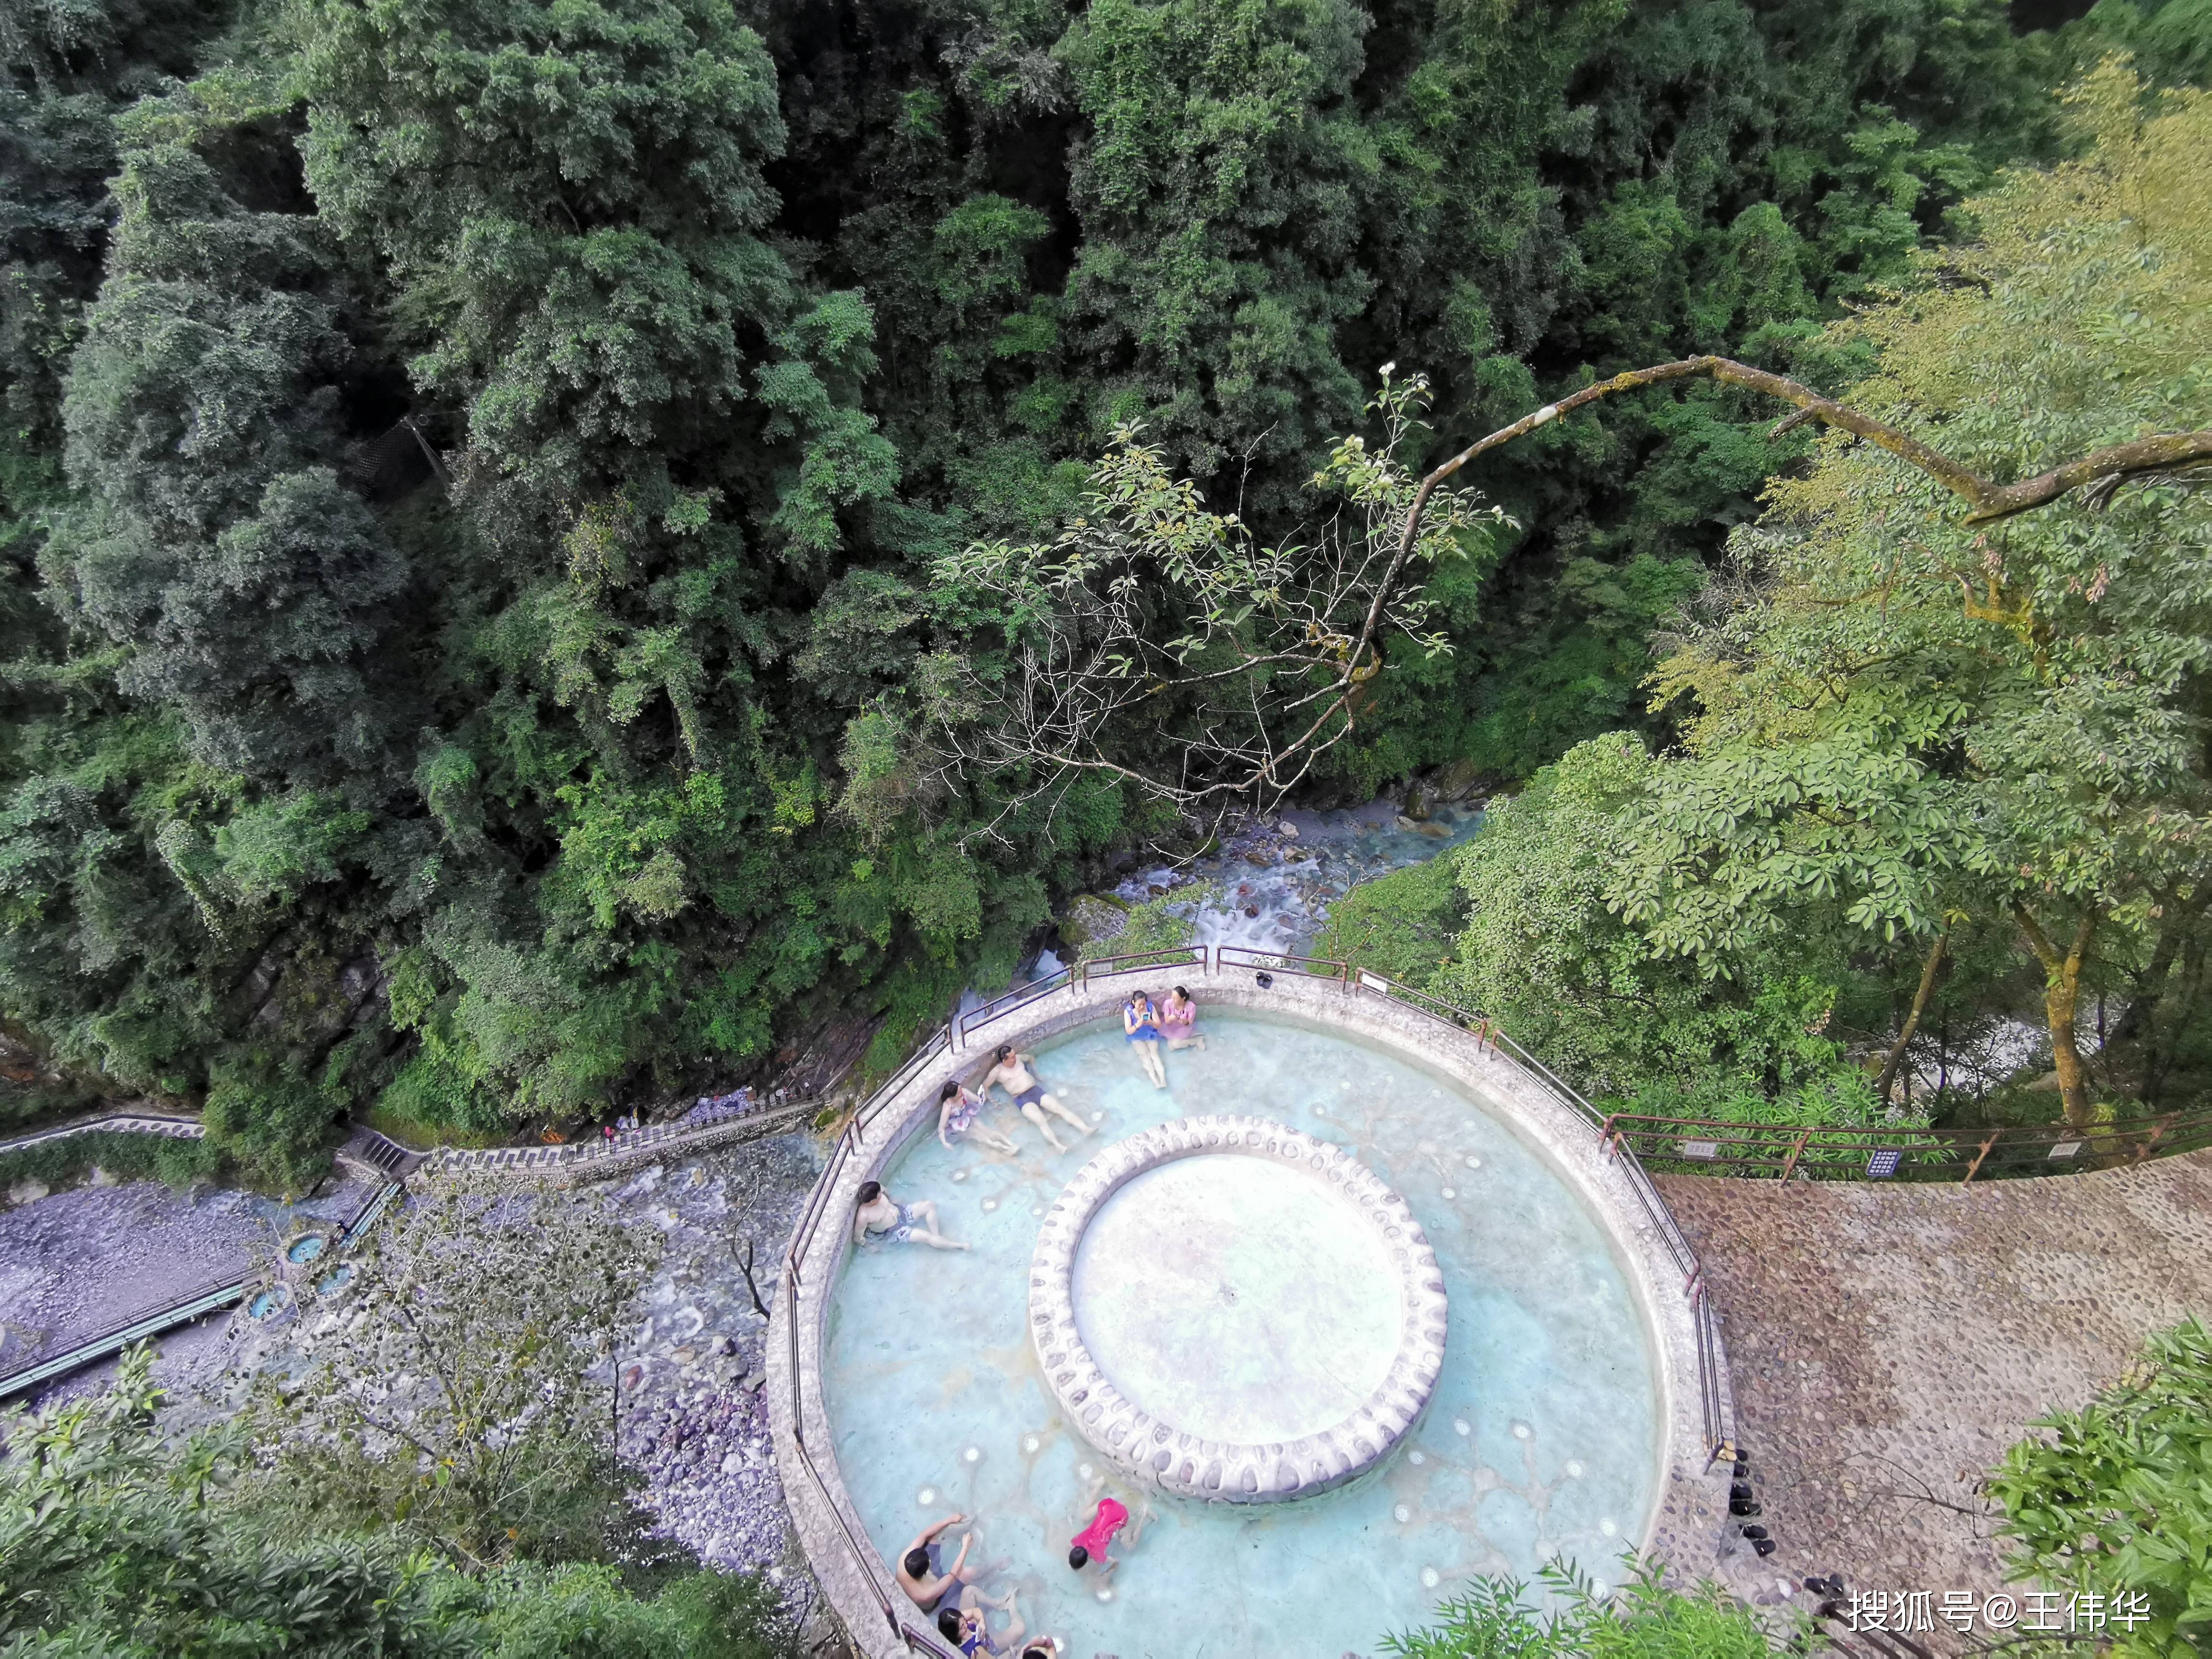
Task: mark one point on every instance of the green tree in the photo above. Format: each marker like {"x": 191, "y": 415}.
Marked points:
{"x": 1406, "y": 925}
{"x": 115, "y": 1541}
{"x": 1641, "y": 1620}
{"x": 465, "y": 1397}
{"x": 1919, "y": 715}
{"x": 2111, "y": 1500}
{"x": 1548, "y": 953}
{"x": 119, "y": 1539}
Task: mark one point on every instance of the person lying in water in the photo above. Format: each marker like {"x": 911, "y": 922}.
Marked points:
{"x": 882, "y": 1219}
{"x": 963, "y": 1627}
{"x": 1012, "y": 1074}
{"x": 1141, "y": 1025}
{"x": 958, "y": 1107}
{"x": 1179, "y": 1020}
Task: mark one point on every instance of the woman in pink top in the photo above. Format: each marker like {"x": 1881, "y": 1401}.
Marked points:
{"x": 1111, "y": 1517}
{"x": 1179, "y": 1020}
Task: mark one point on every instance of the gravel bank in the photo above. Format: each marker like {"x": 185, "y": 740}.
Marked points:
{"x": 76, "y": 1262}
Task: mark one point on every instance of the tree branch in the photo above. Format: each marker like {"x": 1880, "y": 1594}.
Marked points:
{"x": 1928, "y": 972}
{"x": 1987, "y": 499}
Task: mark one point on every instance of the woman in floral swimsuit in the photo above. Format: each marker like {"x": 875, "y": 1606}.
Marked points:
{"x": 958, "y": 1109}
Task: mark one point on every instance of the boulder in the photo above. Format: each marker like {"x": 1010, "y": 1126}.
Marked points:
{"x": 1092, "y": 919}
{"x": 1458, "y": 780}
{"x": 27, "y": 1191}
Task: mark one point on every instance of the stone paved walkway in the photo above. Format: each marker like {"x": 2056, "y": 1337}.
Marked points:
{"x": 1886, "y": 1343}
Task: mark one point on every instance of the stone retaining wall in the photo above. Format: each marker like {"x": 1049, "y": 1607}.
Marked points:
{"x": 526, "y": 1169}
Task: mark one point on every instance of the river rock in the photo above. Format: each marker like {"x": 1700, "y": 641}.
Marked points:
{"x": 1093, "y": 919}
{"x": 28, "y": 1191}
{"x": 1458, "y": 780}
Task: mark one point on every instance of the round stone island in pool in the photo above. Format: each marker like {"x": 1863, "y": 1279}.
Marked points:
{"x": 1234, "y": 1311}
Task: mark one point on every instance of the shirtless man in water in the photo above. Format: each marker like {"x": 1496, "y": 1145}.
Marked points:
{"x": 1012, "y": 1074}
{"x": 880, "y": 1218}
{"x": 924, "y": 1575}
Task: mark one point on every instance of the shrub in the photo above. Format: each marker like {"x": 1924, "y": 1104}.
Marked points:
{"x": 2112, "y": 1500}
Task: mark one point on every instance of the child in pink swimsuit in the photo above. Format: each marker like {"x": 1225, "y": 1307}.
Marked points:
{"x": 1112, "y": 1517}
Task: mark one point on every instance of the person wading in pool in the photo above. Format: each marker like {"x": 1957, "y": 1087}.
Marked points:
{"x": 882, "y": 1219}
{"x": 1141, "y": 1024}
{"x": 957, "y": 1109}
{"x": 1012, "y": 1074}
{"x": 1179, "y": 1020}
{"x": 1093, "y": 1542}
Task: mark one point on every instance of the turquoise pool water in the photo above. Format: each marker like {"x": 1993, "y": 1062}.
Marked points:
{"x": 305, "y": 1249}
{"x": 1540, "y": 1440}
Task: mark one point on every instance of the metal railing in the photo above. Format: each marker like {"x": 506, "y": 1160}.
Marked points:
{"x": 1145, "y": 962}
{"x": 1226, "y": 956}
{"x": 802, "y": 1240}
{"x": 1012, "y": 1001}
{"x": 1884, "y": 1152}
{"x": 1712, "y": 1397}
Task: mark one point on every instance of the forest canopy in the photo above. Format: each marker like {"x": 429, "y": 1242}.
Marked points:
{"x": 507, "y": 508}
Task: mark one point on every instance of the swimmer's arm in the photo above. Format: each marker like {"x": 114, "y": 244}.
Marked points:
{"x": 944, "y": 1117}
{"x": 922, "y": 1538}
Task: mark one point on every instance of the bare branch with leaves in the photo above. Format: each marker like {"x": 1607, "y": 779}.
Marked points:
{"x": 1150, "y": 615}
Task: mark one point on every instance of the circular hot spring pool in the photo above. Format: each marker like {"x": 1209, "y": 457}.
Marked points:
{"x": 1246, "y": 1310}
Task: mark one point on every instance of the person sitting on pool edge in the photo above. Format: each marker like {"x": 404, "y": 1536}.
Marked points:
{"x": 965, "y": 1627}
{"x": 1012, "y": 1074}
{"x": 1141, "y": 1025}
{"x": 882, "y": 1219}
{"x": 927, "y": 1582}
{"x": 1179, "y": 1020}
{"x": 958, "y": 1109}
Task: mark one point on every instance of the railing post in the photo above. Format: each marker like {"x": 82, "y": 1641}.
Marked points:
{"x": 1789, "y": 1165}
{"x": 1977, "y": 1163}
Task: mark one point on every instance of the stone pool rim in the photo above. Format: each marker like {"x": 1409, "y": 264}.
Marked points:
{"x": 1157, "y": 1453}
{"x": 1687, "y": 1520}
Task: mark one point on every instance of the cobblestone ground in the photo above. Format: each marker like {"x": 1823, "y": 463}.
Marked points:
{"x": 1886, "y": 1343}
